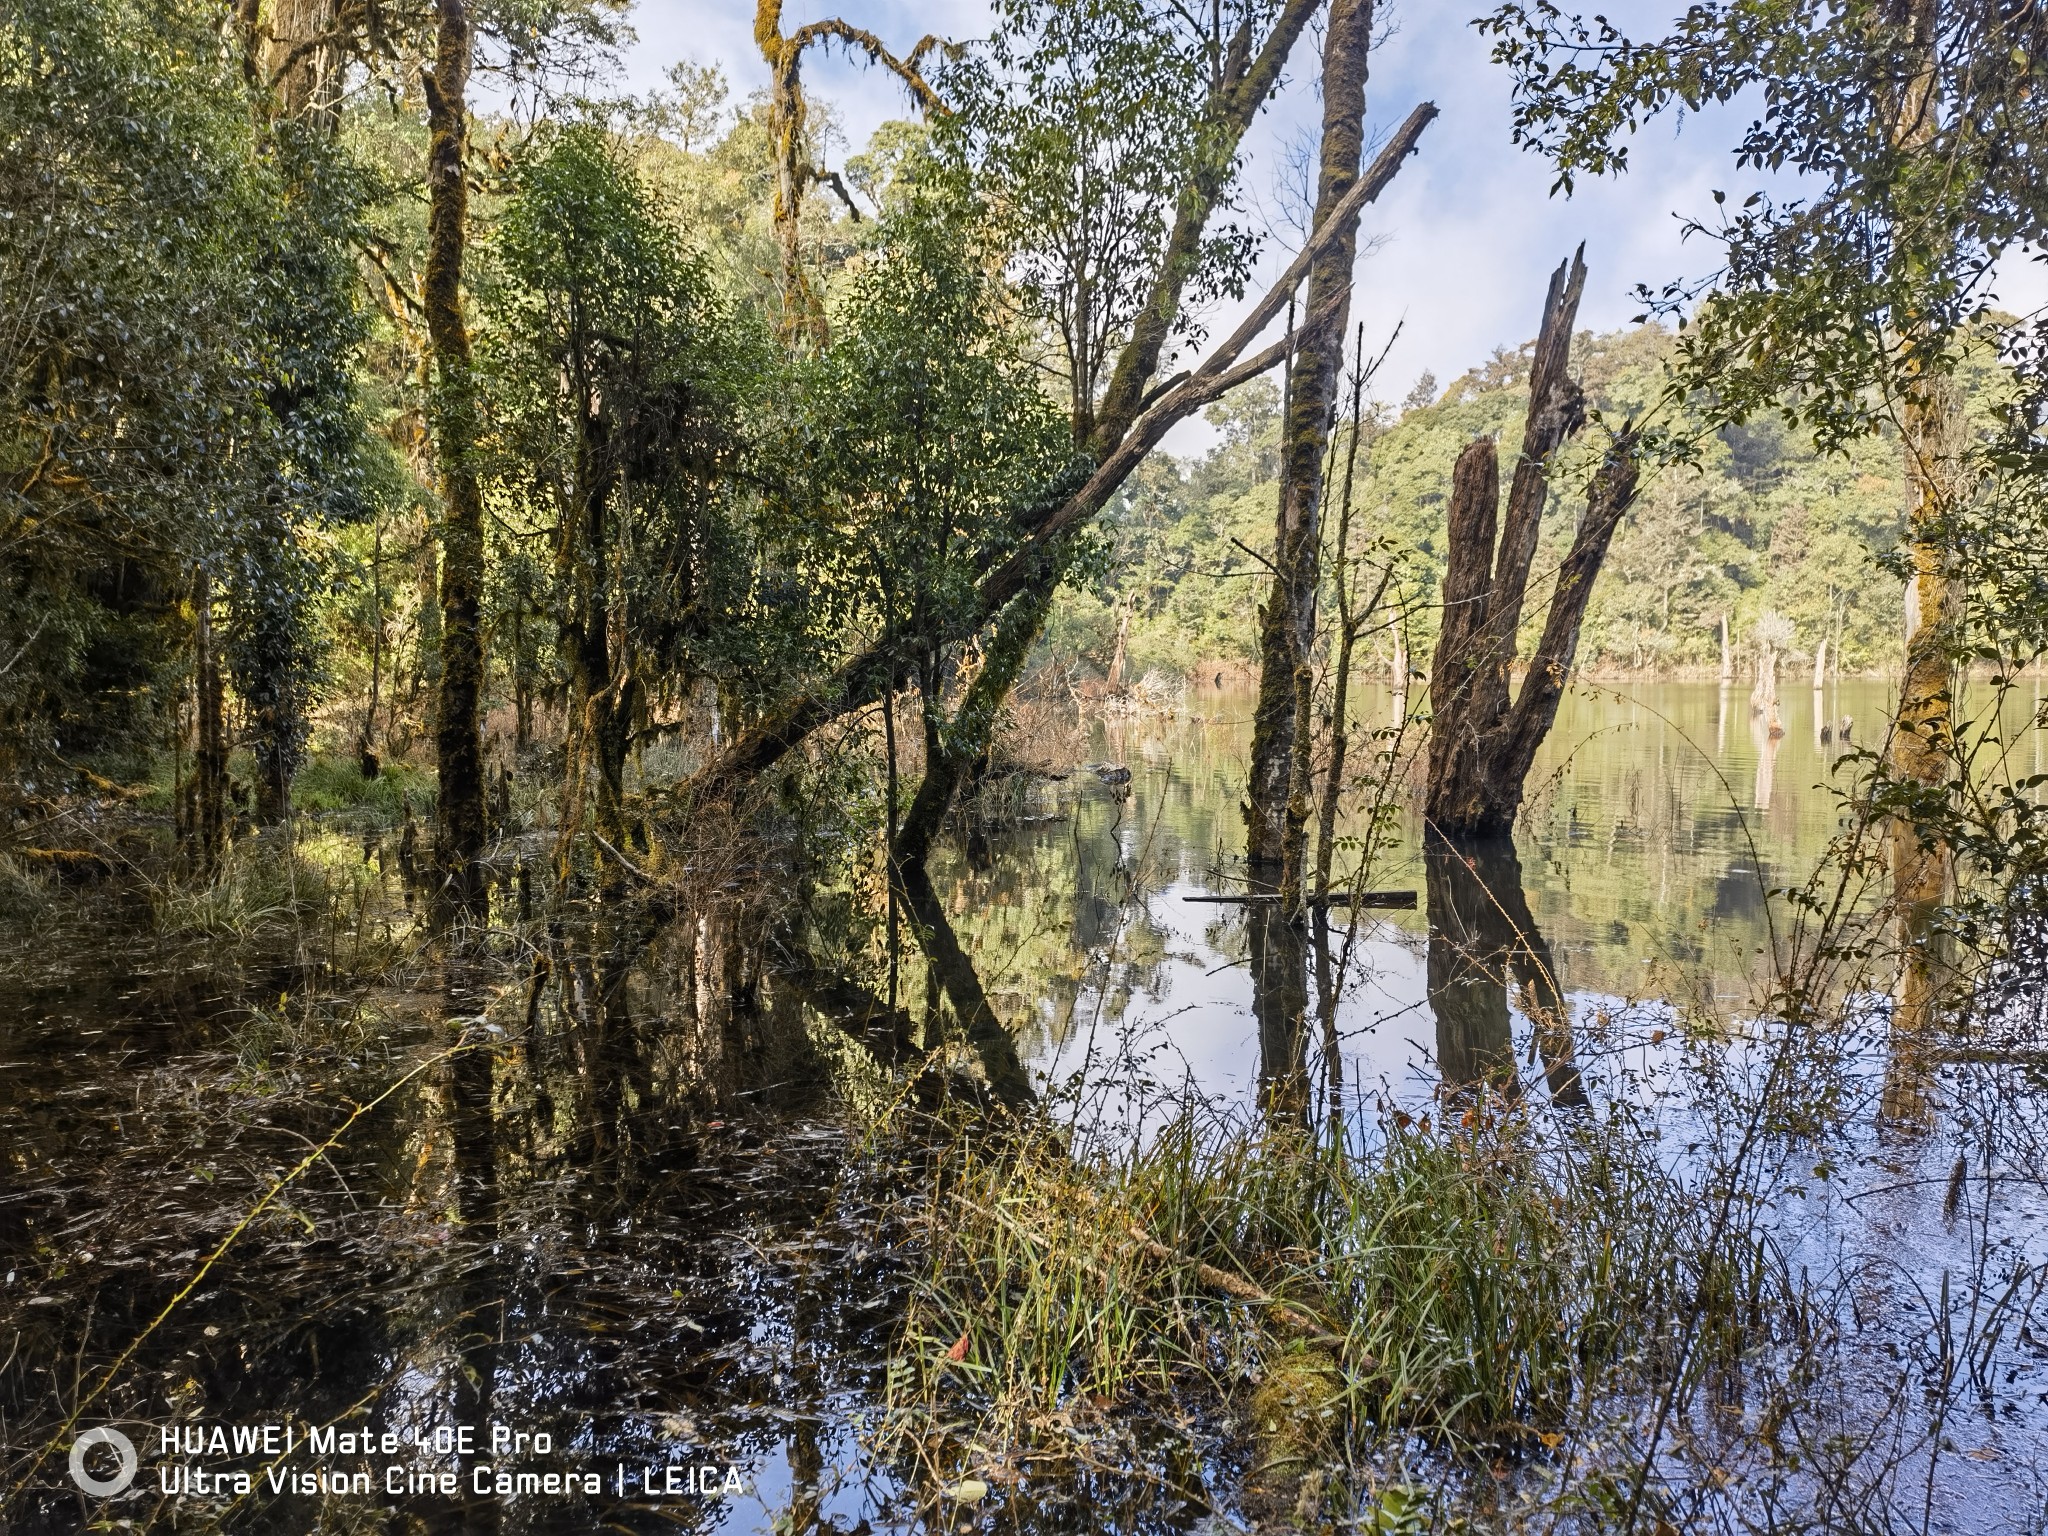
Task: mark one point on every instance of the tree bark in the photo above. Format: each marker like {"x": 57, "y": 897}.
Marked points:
{"x": 210, "y": 748}
{"x": 1349, "y": 622}
{"x": 1456, "y": 725}
{"x": 303, "y": 61}
{"x": 602, "y": 689}
{"x": 1921, "y": 748}
{"x": 1535, "y": 711}
{"x": 1482, "y": 741}
{"x": 459, "y": 807}
{"x": 1277, "y": 808}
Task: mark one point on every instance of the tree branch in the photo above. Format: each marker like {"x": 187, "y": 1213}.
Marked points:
{"x": 856, "y": 683}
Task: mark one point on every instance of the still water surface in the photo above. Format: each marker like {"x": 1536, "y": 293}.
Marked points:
{"x": 1659, "y": 818}
{"x": 647, "y": 1235}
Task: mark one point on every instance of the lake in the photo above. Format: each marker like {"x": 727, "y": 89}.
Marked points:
{"x": 634, "y": 1218}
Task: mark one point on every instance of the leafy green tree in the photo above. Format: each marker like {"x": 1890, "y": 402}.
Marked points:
{"x": 179, "y": 314}
{"x": 612, "y": 379}
{"x": 309, "y": 441}
{"x": 924, "y": 431}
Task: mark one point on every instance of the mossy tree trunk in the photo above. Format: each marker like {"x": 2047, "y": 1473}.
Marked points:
{"x": 459, "y": 808}
{"x": 788, "y": 115}
{"x": 1278, "y": 794}
{"x": 1922, "y": 743}
{"x": 603, "y": 692}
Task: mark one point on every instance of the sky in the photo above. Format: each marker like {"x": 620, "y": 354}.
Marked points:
{"x": 1458, "y": 251}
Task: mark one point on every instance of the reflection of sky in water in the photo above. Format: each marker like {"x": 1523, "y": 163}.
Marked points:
{"x": 1657, "y": 817}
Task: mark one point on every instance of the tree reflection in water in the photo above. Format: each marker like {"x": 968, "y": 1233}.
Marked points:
{"x": 1279, "y": 964}
{"x": 1482, "y": 939}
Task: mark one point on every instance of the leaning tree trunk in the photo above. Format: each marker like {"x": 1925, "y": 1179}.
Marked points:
{"x": 1483, "y": 738}
{"x": 1277, "y": 809}
{"x": 1132, "y": 421}
{"x": 459, "y": 809}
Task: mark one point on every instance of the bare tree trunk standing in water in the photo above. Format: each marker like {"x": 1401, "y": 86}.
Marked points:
{"x": 459, "y": 809}
{"x": 1483, "y": 740}
{"x": 1277, "y": 810}
{"x": 1919, "y": 753}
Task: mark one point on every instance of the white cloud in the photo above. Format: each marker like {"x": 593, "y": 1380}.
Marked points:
{"x": 1463, "y": 243}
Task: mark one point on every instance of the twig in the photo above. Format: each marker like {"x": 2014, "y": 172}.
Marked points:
{"x": 630, "y": 867}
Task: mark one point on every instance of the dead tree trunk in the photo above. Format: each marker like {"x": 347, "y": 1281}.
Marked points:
{"x": 1483, "y": 740}
{"x": 459, "y": 808}
{"x": 1277, "y": 805}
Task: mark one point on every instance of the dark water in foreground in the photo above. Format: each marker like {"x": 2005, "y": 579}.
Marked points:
{"x": 628, "y": 1216}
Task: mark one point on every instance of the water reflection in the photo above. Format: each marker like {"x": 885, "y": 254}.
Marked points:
{"x": 1766, "y": 740}
{"x": 477, "y": 1322}
{"x": 1279, "y": 977}
{"x": 1655, "y": 827}
{"x": 1482, "y": 938}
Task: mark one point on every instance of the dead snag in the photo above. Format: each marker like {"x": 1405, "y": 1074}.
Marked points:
{"x": 1483, "y": 739}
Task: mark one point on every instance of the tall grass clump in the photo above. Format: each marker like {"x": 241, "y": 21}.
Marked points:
{"x": 310, "y": 904}
{"x": 1484, "y": 1277}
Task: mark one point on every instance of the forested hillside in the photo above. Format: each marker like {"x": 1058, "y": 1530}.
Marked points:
{"x": 1783, "y": 540}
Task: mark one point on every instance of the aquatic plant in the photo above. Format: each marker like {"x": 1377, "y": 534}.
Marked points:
{"x": 1483, "y": 1277}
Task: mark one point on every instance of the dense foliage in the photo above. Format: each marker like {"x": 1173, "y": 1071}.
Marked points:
{"x": 1765, "y": 528}
{"x": 178, "y": 305}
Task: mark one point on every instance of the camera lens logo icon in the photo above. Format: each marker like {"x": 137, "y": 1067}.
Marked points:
{"x": 124, "y": 1452}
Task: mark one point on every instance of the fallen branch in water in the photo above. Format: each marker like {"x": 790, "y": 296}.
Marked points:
{"x": 1403, "y": 899}
{"x": 1238, "y": 1288}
